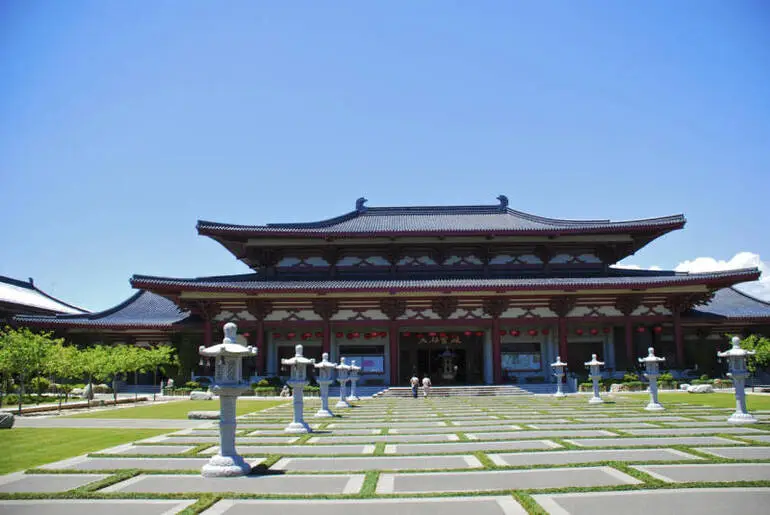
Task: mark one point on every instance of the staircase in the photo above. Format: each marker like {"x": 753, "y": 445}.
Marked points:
{"x": 460, "y": 391}
{"x": 361, "y": 391}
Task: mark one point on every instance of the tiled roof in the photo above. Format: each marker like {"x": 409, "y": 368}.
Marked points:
{"x": 445, "y": 220}
{"x": 25, "y": 295}
{"x": 730, "y": 303}
{"x": 143, "y": 310}
{"x": 251, "y": 283}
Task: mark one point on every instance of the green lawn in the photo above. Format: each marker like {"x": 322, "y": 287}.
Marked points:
{"x": 715, "y": 400}
{"x": 29, "y": 447}
{"x": 175, "y": 409}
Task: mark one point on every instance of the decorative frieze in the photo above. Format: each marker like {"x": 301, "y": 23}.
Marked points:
{"x": 444, "y": 306}
{"x": 393, "y": 308}
{"x": 325, "y": 308}
{"x": 561, "y": 306}
{"x": 494, "y": 306}
{"x": 259, "y": 308}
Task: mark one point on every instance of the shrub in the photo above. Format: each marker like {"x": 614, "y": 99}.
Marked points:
{"x": 192, "y": 385}
{"x": 666, "y": 377}
{"x": 102, "y": 388}
{"x": 704, "y": 377}
{"x": 585, "y": 387}
{"x": 266, "y": 391}
{"x": 723, "y": 383}
{"x": 274, "y": 381}
{"x": 39, "y": 384}
{"x": 263, "y": 383}
{"x": 630, "y": 377}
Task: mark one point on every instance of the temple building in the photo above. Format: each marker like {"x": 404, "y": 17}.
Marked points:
{"x": 466, "y": 294}
{"x": 24, "y": 298}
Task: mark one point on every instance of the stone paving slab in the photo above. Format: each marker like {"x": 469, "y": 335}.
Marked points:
{"x": 519, "y": 459}
{"x": 501, "y": 480}
{"x": 651, "y": 418}
{"x": 120, "y": 423}
{"x": 148, "y": 449}
{"x": 701, "y": 423}
{"x": 377, "y": 463}
{"x": 704, "y": 501}
{"x": 84, "y": 463}
{"x": 652, "y": 441}
{"x": 479, "y": 423}
{"x": 448, "y": 437}
{"x": 663, "y": 431}
{"x": 80, "y": 506}
{"x": 449, "y": 429}
{"x": 46, "y": 483}
{"x": 708, "y": 472}
{"x": 365, "y": 425}
{"x": 503, "y": 505}
{"x": 610, "y": 425}
{"x": 336, "y": 432}
{"x": 757, "y": 438}
{"x": 521, "y": 435}
{"x": 298, "y": 449}
{"x": 739, "y": 453}
{"x": 239, "y": 440}
{"x": 278, "y": 484}
{"x": 431, "y": 448}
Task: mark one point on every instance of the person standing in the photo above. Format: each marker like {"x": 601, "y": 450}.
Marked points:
{"x": 426, "y": 384}
{"x": 415, "y": 382}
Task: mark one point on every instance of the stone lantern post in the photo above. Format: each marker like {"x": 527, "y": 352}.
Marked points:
{"x": 228, "y": 384}
{"x": 342, "y": 377}
{"x": 558, "y": 371}
{"x": 652, "y": 371}
{"x": 353, "y": 377}
{"x": 594, "y": 367}
{"x": 736, "y": 357}
{"x": 297, "y": 382}
{"x": 325, "y": 368}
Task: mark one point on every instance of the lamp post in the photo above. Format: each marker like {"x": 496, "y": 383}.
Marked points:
{"x": 594, "y": 367}
{"x": 325, "y": 368}
{"x": 297, "y": 382}
{"x": 558, "y": 370}
{"x": 228, "y": 384}
{"x": 353, "y": 377}
{"x": 342, "y": 376}
{"x": 652, "y": 371}
{"x": 736, "y": 358}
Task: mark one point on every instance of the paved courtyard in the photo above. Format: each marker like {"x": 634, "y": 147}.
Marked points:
{"x": 480, "y": 455}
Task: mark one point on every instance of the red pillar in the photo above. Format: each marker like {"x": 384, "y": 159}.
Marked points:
{"x": 207, "y": 332}
{"x": 260, "y": 344}
{"x": 393, "y": 334}
{"x": 326, "y": 344}
{"x": 497, "y": 358}
{"x": 563, "y": 351}
{"x": 678, "y": 339}
{"x": 629, "y": 343}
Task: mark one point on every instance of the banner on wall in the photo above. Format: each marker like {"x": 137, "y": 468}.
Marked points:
{"x": 368, "y": 364}
{"x": 520, "y": 361}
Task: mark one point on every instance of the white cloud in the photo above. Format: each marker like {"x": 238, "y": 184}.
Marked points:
{"x": 759, "y": 289}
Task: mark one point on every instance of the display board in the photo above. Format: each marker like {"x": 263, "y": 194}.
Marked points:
{"x": 368, "y": 364}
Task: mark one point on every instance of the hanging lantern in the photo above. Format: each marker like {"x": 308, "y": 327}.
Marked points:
{"x": 442, "y": 335}
{"x": 468, "y": 333}
{"x": 594, "y": 331}
{"x": 503, "y": 332}
{"x": 407, "y": 334}
{"x": 290, "y": 335}
{"x": 658, "y": 329}
{"x": 356, "y": 335}
{"x": 431, "y": 334}
{"x": 339, "y": 334}
{"x": 350, "y": 336}
{"x": 532, "y": 332}
{"x": 367, "y": 336}
{"x": 515, "y": 332}
{"x": 607, "y": 330}
{"x": 383, "y": 334}
{"x": 545, "y": 331}
{"x": 479, "y": 333}
{"x": 276, "y": 336}
{"x": 579, "y": 332}
{"x": 319, "y": 334}
{"x": 420, "y": 335}
{"x": 307, "y": 336}
{"x": 640, "y": 329}
{"x": 246, "y": 335}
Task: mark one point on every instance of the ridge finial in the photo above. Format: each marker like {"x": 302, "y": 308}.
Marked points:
{"x": 360, "y": 204}
{"x": 503, "y": 201}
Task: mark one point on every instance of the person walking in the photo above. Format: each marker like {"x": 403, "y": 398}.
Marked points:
{"x": 415, "y": 382}
{"x": 426, "y": 384}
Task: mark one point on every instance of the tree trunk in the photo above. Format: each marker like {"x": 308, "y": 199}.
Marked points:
{"x": 21, "y": 391}
{"x": 136, "y": 393}
{"x": 154, "y": 382}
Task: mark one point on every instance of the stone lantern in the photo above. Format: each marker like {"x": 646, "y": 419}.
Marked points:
{"x": 297, "y": 382}
{"x": 736, "y": 359}
{"x": 355, "y": 370}
{"x": 228, "y": 384}
{"x": 558, "y": 371}
{"x": 594, "y": 367}
{"x": 325, "y": 369}
{"x": 652, "y": 371}
{"x": 343, "y": 370}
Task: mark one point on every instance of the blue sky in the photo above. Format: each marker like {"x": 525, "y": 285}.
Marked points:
{"x": 123, "y": 123}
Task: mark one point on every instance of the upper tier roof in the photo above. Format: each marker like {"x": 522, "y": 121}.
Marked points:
{"x": 617, "y": 278}
{"x": 24, "y": 296}
{"x": 142, "y": 310}
{"x": 440, "y": 220}
{"x": 732, "y": 304}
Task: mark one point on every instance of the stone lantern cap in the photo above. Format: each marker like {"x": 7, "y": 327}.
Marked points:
{"x": 594, "y": 362}
{"x": 343, "y": 366}
{"x": 228, "y": 347}
{"x": 651, "y": 357}
{"x": 354, "y": 368}
{"x": 558, "y": 362}
{"x": 298, "y": 358}
{"x": 325, "y": 363}
{"x": 736, "y": 351}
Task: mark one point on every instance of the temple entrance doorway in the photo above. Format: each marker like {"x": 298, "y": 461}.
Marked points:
{"x": 447, "y": 358}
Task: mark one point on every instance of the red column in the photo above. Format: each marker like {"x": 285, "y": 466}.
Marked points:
{"x": 563, "y": 350}
{"x": 678, "y": 339}
{"x": 497, "y": 358}
{"x": 393, "y": 334}
{"x": 260, "y": 344}
{"x": 629, "y": 343}
{"x": 207, "y": 332}
{"x": 326, "y": 344}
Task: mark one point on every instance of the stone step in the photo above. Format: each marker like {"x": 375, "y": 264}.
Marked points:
{"x": 457, "y": 391}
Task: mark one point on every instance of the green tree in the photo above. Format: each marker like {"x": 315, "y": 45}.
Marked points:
{"x": 63, "y": 362}
{"x": 23, "y": 353}
{"x": 760, "y": 345}
{"x": 158, "y": 358}
{"x": 95, "y": 365}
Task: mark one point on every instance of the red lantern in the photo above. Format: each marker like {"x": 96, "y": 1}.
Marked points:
{"x": 658, "y": 329}
{"x": 350, "y": 336}
{"x": 420, "y": 335}
{"x": 515, "y": 332}
{"x": 290, "y": 335}
{"x": 502, "y": 332}
{"x": 319, "y": 334}
{"x": 356, "y": 335}
{"x": 640, "y": 329}
{"x": 367, "y": 336}
{"x": 339, "y": 334}
{"x": 431, "y": 334}
{"x": 607, "y": 330}
{"x": 579, "y": 332}
{"x": 383, "y": 334}
{"x": 443, "y": 335}
{"x": 276, "y": 336}
{"x": 245, "y": 335}
{"x": 594, "y": 331}
{"x": 532, "y": 332}
{"x": 479, "y": 333}
{"x": 468, "y": 333}
{"x": 545, "y": 331}
{"x": 407, "y": 334}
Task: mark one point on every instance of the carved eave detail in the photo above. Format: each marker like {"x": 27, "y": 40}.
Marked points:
{"x": 444, "y": 306}
{"x": 682, "y": 303}
{"x": 326, "y": 308}
{"x": 259, "y": 308}
{"x": 393, "y": 308}
{"x": 561, "y": 305}
{"x": 628, "y": 303}
{"x": 494, "y": 306}
{"x": 206, "y": 309}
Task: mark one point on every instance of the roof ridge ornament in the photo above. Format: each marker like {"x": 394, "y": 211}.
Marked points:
{"x": 360, "y": 204}
{"x": 503, "y": 202}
